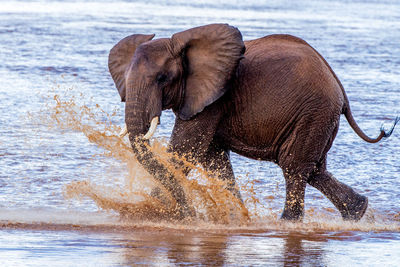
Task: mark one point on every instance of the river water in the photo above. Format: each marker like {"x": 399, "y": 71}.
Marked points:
{"x": 66, "y": 178}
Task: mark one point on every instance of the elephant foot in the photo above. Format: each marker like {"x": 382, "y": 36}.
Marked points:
{"x": 291, "y": 217}
{"x": 356, "y": 210}
{"x": 293, "y": 214}
{"x": 351, "y": 205}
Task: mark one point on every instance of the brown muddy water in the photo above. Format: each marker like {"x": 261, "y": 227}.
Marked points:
{"x": 72, "y": 194}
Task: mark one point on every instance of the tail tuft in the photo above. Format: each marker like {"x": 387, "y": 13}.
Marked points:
{"x": 389, "y": 133}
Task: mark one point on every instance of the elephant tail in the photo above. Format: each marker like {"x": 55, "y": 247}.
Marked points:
{"x": 347, "y": 112}
{"x": 384, "y": 134}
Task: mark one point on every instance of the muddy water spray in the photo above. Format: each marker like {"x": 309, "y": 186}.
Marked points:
{"x": 206, "y": 194}
{"x": 214, "y": 205}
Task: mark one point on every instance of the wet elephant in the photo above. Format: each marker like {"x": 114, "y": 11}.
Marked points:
{"x": 274, "y": 98}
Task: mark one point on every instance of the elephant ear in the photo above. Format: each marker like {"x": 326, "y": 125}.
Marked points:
{"x": 211, "y": 55}
{"x": 120, "y": 58}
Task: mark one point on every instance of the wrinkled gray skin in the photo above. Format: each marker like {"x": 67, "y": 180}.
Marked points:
{"x": 273, "y": 98}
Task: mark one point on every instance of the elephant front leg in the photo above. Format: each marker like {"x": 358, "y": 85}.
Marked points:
{"x": 190, "y": 140}
{"x": 217, "y": 161}
{"x": 295, "y": 192}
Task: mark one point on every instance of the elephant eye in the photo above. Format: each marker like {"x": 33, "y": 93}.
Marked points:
{"x": 161, "y": 78}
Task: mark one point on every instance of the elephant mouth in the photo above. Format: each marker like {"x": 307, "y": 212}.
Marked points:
{"x": 150, "y": 132}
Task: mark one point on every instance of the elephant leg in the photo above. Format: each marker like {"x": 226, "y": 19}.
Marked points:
{"x": 295, "y": 192}
{"x": 299, "y": 155}
{"x": 304, "y": 156}
{"x": 217, "y": 161}
{"x": 350, "y": 204}
{"x": 189, "y": 142}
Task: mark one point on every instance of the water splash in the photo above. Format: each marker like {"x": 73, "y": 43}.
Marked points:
{"x": 216, "y": 208}
{"x": 134, "y": 200}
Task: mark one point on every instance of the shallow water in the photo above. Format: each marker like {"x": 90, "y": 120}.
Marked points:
{"x": 58, "y": 50}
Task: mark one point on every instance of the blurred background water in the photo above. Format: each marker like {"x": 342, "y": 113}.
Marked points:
{"x": 49, "y": 46}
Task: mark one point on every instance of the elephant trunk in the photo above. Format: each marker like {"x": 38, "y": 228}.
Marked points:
{"x": 135, "y": 118}
{"x": 137, "y": 123}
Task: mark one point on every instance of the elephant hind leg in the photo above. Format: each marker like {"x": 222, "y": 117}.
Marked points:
{"x": 303, "y": 160}
{"x": 350, "y": 204}
{"x": 300, "y": 154}
{"x": 296, "y": 171}
{"x": 295, "y": 192}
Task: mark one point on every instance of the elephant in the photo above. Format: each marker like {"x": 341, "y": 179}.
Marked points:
{"x": 274, "y": 98}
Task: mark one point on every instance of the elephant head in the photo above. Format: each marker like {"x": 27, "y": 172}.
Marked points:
{"x": 185, "y": 73}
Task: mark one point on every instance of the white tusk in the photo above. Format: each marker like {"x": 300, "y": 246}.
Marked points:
{"x": 152, "y": 130}
{"x": 124, "y": 131}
